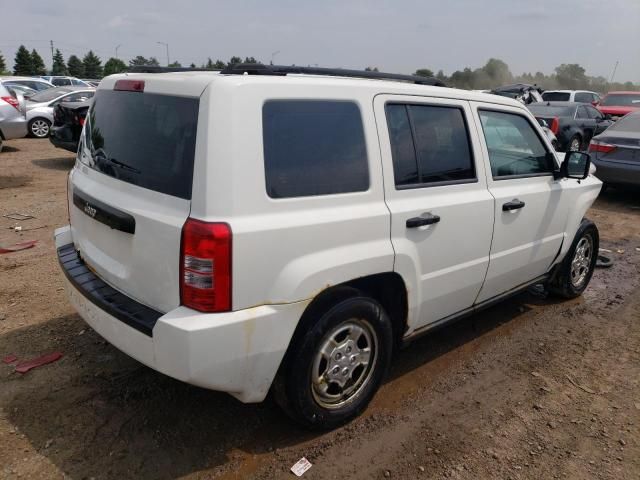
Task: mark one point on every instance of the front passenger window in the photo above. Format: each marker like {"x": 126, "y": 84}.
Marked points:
{"x": 514, "y": 146}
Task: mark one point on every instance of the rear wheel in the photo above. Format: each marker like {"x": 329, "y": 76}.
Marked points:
{"x": 334, "y": 370}
{"x": 577, "y": 268}
{"x": 39, "y": 127}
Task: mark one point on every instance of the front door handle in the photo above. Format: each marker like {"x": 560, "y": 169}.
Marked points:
{"x": 425, "y": 219}
{"x": 514, "y": 204}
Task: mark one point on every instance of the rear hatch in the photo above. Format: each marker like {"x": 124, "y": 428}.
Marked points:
{"x": 131, "y": 191}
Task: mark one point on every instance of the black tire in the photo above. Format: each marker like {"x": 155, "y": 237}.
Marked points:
{"x": 564, "y": 283}
{"x": 575, "y": 138}
{"x": 43, "y": 123}
{"x": 293, "y": 388}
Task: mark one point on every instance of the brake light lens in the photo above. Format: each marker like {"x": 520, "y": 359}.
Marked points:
{"x": 12, "y": 101}
{"x": 129, "y": 85}
{"x": 601, "y": 147}
{"x": 205, "y": 266}
{"x": 555, "y": 125}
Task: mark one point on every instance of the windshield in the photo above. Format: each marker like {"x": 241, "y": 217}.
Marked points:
{"x": 622, "y": 100}
{"x": 48, "y": 95}
{"x": 550, "y": 111}
{"x": 556, "y": 96}
{"x": 144, "y": 139}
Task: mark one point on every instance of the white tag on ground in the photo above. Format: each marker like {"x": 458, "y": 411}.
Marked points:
{"x": 301, "y": 466}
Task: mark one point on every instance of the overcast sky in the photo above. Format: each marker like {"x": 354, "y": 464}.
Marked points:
{"x": 394, "y": 35}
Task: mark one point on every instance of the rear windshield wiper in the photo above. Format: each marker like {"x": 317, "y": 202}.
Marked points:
{"x": 124, "y": 165}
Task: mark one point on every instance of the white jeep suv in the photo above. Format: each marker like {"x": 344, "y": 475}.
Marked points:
{"x": 286, "y": 229}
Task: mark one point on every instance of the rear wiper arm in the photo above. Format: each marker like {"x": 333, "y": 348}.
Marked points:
{"x": 123, "y": 165}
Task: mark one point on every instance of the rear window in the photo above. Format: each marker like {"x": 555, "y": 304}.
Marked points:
{"x": 545, "y": 111}
{"x": 49, "y": 94}
{"x": 622, "y": 100}
{"x": 556, "y": 96}
{"x": 628, "y": 123}
{"x": 313, "y": 147}
{"x": 144, "y": 139}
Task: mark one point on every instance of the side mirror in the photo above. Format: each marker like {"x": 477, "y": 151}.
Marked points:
{"x": 576, "y": 165}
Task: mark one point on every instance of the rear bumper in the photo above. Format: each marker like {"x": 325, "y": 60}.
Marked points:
{"x": 617, "y": 172}
{"x": 236, "y": 352}
{"x": 14, "y": 128}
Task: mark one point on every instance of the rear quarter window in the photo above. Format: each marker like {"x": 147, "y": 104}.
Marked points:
{"x": 313, "y": 147}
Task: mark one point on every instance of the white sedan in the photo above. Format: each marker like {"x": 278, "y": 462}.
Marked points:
{"x": 40, "y": 106}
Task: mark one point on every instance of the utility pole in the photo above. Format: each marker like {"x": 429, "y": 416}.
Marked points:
{"x": 51, "y": 42}
{"x": 117, "y": 47}
{"x": 614, "y": 72}
{"x": 167, "y": 47}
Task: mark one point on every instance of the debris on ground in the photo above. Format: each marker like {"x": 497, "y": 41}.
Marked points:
{"x": 18, "y": 216}
{"x": 301, "y": 466}
{"x": 603, "y": 262}
{"x": 24, "y": 367}
{"x": 9, "y": 359}
{"x": 581, "y": 387}
{"x": 18, "y": 246}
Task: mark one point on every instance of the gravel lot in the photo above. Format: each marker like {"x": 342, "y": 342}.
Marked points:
{"x": 533, "y": 388}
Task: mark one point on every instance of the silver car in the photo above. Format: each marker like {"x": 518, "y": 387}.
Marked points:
{"x": 40, "y": 106}
{"x": 36, "y": 83}
{"x": 13, "y": 123}
{"x": 616, "y": 151}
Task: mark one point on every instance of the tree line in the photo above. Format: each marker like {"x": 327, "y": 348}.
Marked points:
{"x": 493, "y": 74}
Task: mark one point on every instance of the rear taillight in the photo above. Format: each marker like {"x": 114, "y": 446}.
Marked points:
{"x": 601, "y": 147}
{"x": 81, "y": 120}
{"x": 205, "y": 266}
{"x": 555, "y": 125}
{"x": 12, "y": 101}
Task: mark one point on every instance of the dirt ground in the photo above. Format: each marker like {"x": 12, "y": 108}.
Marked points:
{"x": 533, "y": 388}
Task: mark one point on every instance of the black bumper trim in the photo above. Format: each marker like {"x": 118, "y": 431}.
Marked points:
{"x": 105, "y": 297}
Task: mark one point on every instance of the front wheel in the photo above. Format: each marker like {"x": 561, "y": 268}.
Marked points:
{"x": 576, "y": 270}
{"x": 39, "y": 127}
{"x": 333, "y": 372}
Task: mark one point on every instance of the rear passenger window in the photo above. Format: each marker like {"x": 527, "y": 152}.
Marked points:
{"x": 583, "y": 97}
{"x": 429, "y": 145}
{"x": 313, "y": 148}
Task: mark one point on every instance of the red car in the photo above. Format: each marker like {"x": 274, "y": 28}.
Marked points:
{"x": 618, "y": 104}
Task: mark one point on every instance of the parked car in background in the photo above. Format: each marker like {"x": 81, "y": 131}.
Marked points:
{"x": 91, "y": 82}
{"x": 580, "y": 96}
{"x": 574, "y": 124}
{"x": 64, "y": 81}
{"x": 68, "y": 120}
{"x": 40, "y": 107}
{"x": 522, "y": 92}
{"x": 13, "y": 123}
{"x": 26, "y": 92}
{"x": 377, "y": 209}
{"x": 618, "y": 104}
{"x": 616, "y": 151}
{"x": 37, "y": 84}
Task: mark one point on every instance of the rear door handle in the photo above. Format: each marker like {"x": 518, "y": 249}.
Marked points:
{"x": 425, "y": 219}
{"x": 514, "y": 204}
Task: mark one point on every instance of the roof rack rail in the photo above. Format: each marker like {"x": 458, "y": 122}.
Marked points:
{"x": 158, "y": 69}
{"x": 260, "y": 69}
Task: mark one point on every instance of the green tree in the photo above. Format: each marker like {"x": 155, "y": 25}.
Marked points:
{"x": 219, "y": 64}
{"x": 371, "y": 69}
{"x": 424, "y": 72}
{"x": 75, "y": 66}
{"x": 138, "y": 61}
{"x": 22, "y": 63}
{"x": 234, "y": 61}
{"x": 37, "y": 64}
{"x": 193, "y": 65}
{"x": 114, "y": 65}
{"x": 175, "y": 64}
{"x": 3, "y": 65}
{"x": 58, "y": 67}
{"x": 251, "y": 60}
{"x": 498, "y": 72}
{"x": 571, "y": 76}
{"x": 441, "y": 76}
{"x": 153, "y": 62}
{"x": 92, "y": 65}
